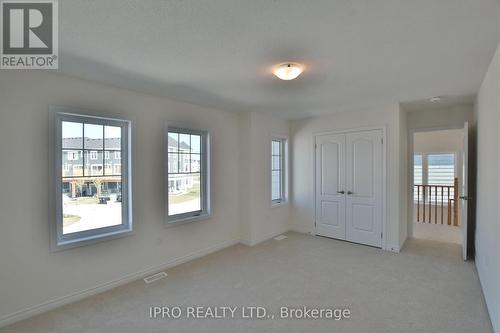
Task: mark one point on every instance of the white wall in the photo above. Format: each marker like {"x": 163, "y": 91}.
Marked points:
{"x": 259, "y": 220}
{"x": 303, "y": 132}
{"x": 488, "y": 189}
{"x": 445, "y": 141}
{"x": 31, "y": 275}
{"x": 442, "y": 118}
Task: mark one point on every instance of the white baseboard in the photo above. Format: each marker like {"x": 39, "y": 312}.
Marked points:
{"x": 301, "y": 228}
{"x": 258, "y": 240}
{"x": 392, "y": 248}
{"x": 58, "y": 302}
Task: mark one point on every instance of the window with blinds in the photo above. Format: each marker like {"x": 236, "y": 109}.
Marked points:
{"x": 434, "y": 169}
{"x": 441, "y": 169}
{"x": 417, "y": 173}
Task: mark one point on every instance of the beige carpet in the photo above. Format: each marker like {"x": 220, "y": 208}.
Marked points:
{"x": 426, "y": 288}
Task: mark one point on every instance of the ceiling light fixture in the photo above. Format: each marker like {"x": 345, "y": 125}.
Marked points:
{"x": 435, "y": 99}
{"x": 288, "y": 70}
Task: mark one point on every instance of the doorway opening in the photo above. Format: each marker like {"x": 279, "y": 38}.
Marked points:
{"x": 438, "y": 176}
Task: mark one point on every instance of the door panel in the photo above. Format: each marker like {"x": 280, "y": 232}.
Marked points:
{"x": 364, "y": 185}
{"x": 362, "y": 217}
{"x": 330, "y": 180}
{"x": 362, "y": 160}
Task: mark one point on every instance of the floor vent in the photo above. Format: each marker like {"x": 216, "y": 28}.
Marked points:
{"x": 155, "y": 277}
{"x": 280, "y": 237}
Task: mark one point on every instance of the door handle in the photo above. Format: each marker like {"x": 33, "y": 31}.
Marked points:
{"x": 340, "y": 192}
{"x": 464, "y": 197}
{"x": 350, "y": 193}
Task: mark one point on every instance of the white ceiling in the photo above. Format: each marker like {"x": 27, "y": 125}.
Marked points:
{"x": 219, "y": 53}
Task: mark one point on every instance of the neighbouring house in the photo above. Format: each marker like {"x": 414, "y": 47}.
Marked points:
{"x": 97, "y": 164}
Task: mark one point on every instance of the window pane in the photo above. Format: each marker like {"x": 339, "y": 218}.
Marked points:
{"x": 417, "y": 175}
{"x": 275, "y": 184}
{"x": 116, "y": 159}
{"x": 184, "y": 163}
{"x": 94, "y": 163}
{"x": 112, "y": 136}
{"x": 173, "y": 142}
{"x": 173, "y": 162}
{"x": 72, "y": 135}
{"x": 91, "y": 203}
{"x": 417, "y": 170}
{"x": 196, "y": 144}
{"x": 70, "y": 160}
{"x": 93, "y": 136}
{"x": 276, "y": 148}
{"x": 184, "y": 193}
{"x": 276, "y": 162}
{"x": 441, "y": 169}
{"x": 195, "y": 163}
{"x": 184, "y": 143}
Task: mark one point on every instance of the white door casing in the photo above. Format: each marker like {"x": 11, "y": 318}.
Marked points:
{"x": 330, "y": 186}
{"x": 464, "y": 194}
{"x": 349, "y": 186}
{"x": 364, "y": 187}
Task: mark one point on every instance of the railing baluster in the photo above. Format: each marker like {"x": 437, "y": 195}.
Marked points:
{"x": 418, "y": 203}
{"x": 449, "y": 207}
{"x": 442, "y": 190}
{"x": 436, "y": 204}
{"x": 430, "y": 204}
{"x": 423, "y": 202}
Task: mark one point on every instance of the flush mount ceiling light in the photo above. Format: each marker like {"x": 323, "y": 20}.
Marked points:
{"x": 288, "y": 70}
{"x": 435, "y": 99}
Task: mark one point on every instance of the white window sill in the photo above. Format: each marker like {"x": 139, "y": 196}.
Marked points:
{"x": 70, "y": 244}
{"x": 173, "y": 222}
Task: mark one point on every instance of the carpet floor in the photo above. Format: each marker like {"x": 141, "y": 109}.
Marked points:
{"x": 425, "y": 288}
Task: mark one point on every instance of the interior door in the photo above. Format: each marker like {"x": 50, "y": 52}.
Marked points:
{"x": 364, "y": 187}
{"x": 330, "y": 189}
{"x": 464, "y": 194}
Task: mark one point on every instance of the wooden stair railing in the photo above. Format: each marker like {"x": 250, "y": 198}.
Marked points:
{"x": 431, "y": 201}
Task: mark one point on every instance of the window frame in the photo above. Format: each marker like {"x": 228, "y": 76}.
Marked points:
{"x": 59, "y": 240}
{"x": 283, "y": 171}
{"x": 205, "y": 174}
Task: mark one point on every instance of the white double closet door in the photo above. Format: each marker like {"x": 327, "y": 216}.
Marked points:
{"x": 349, "y": 189}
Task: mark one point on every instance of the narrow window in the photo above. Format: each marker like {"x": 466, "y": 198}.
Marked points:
{"x": 187, "y": 173}
{"x": 93, "y": 200}
{"x": 441, "y": 171}
{"x": 278, "y": 170}
{"x": 417, "y": 173}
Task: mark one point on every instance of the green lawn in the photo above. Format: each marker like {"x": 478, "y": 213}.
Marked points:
{"x": 193, "y": 194}
{"x": 84, "y": 201}
{"x": 69, "y": 219}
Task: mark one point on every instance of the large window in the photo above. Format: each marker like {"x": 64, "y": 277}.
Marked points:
{"x": 187, "y": 175}
{"x": 434, "y": 169}
{"x": 93, "y": 199}
{"x": 278, "y": 190}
